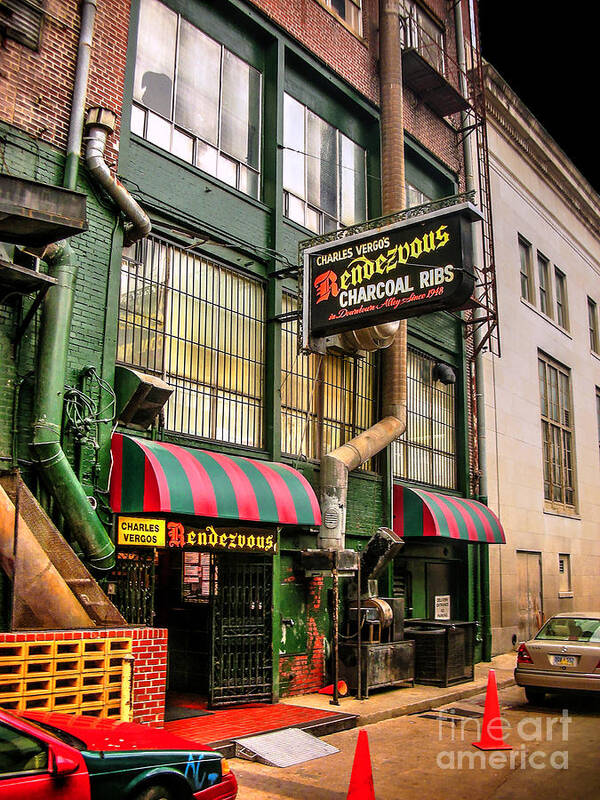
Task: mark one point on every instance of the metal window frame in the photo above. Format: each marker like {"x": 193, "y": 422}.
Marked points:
{"x": 553, "y": 438}
{"x": 363, "y": 373}
{"x": 214, "y": 392}
{"x": 403, "y": 447}
{"x": 194, "y": 136}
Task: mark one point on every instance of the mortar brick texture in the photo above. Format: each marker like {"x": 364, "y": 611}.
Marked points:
{"x": 36, "y": 87}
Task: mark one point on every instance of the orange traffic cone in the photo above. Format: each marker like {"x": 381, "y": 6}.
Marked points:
{"x": 361, "y": 779}
{"x": 491, "y": 735}
{"x": 342, "y": 689}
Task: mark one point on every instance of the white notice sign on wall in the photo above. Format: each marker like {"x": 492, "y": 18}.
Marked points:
{"x": 442, "y": 606}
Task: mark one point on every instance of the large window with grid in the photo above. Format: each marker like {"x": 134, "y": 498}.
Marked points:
{"x": 196, "y": 99}
{"x": 325, "y": 400}
{"x": 324, "y": 172}
{"x": 557, "y": 435}
{"x": 426, "y": 452}
{"x": 200, "y": 326}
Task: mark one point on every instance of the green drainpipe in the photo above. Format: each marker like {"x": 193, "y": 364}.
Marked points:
{"x": 55, "y": 331}
{"x": 52, "y": 366}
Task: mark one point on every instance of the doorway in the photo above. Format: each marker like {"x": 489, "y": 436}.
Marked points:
{"x": 217, "y": 609}
{"x": 529, "y": 583}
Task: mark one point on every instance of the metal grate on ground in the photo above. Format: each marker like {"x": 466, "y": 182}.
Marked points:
{"x": 283, "y": 748}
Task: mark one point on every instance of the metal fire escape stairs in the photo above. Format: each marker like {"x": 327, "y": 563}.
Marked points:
{"x": 30, "y": 520}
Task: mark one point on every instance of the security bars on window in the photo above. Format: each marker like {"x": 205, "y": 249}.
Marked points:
{"x": 200, "y": 326}
{"x": 426, "y": 453}
{"x": 325, "y": 400}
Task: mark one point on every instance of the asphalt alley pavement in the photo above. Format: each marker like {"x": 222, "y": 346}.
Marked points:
{"x": 555, "y": 756}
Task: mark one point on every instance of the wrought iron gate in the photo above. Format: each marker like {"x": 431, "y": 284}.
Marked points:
{"x": 242, "y": 652}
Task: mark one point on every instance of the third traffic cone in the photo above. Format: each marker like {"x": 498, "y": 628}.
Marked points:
{"x": 491, "y": 734}
{"x": 361, "y": 779}
{"x": 342, "y": 689}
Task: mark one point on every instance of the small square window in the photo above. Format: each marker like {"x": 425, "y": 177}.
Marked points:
{"x": 564, "y": 573}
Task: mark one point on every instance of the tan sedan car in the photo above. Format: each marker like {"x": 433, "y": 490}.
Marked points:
{"x": 563, "y": 656}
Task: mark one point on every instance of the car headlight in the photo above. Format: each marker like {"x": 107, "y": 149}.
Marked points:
{"x": 225, "y": 768}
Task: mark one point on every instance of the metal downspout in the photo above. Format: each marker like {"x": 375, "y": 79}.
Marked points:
{"x": 337, "y": 465}
{"x": 54, "y": 342}
{"x": 99, "y": 124}
{"x": 470, "y": 184}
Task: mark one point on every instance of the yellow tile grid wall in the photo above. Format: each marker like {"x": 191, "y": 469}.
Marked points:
{"x": 81, "y": 676}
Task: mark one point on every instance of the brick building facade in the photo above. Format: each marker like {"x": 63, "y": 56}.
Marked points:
{"x": 229, "y": 210}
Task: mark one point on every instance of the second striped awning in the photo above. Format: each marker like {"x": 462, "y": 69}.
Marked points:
{"x": 166, "y": 478}
{"x": 423, "y": 513}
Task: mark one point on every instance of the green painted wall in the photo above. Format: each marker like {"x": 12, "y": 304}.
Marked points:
{"x": 94, "y": 323}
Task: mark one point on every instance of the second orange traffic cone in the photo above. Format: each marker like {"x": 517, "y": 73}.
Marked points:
{"x": 361, "y": 779}
{"x": 491, "y": 734}
{"x": 342, "y": 689}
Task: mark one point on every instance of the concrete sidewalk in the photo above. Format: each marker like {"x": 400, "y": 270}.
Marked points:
{"x": 387, "y": 703}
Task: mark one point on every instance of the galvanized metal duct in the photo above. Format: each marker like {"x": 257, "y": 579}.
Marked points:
{"x": 336, "y": 466}
{"x": 100, "y": 123}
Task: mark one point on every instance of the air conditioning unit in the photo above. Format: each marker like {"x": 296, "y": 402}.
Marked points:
{"x": 140, "y": 397}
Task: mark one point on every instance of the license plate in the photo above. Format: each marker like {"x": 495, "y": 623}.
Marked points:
{"x": 564, "y": 661}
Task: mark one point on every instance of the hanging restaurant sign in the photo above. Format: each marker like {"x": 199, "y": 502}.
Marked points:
{"x": 401, "y": 270}
{"x": 143, "y": 532}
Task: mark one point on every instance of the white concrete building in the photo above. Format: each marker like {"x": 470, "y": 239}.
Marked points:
{"x": 543, "y": 395}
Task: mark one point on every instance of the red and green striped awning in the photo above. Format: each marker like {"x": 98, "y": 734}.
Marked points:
{"x": 165, "y": 478}
{"x": 422, "y": 513}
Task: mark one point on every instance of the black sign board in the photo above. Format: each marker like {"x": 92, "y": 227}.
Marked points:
{"x": 409, "y": 268}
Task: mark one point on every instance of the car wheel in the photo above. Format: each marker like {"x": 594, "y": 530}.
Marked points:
{"x": 535, "y": 696}
{"x": 156, "y": 793}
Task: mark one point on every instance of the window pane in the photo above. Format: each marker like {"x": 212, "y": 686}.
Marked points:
{"x": 138, "y": 120}
{"x": 182, "y": 145}
{"x": 295, "y": 209}
{"x": 155, "y": 60}
{"x": 227, "y": 170}
{"x": 354, "y": 191}
{"x": 249, "y": 183}
{"x": 240, "y": 115}
{"x": 198, "y": 83}
{"x": 293, "y": 154}
{"x": 206, "y": 158}
{"x": 321, "y": 148}
{"x": 158, "y": 131}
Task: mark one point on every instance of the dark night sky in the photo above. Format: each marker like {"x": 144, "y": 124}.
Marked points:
{"x": 549, "y": 54}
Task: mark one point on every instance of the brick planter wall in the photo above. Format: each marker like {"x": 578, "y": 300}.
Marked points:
{"x": 149, "y": 650}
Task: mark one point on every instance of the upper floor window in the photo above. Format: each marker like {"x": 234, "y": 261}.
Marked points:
{"x": 22, "y": 21}
{"x": 324, "y": 172}
{"x": 426, "y": 452}
{"x": 199, "y": 326}
{"x": 562, "y": 309}
{"x": 196, "y": 99}
{"x": 422, "y": 33}
{"x": 593, "y": 325}
{"x": 557, "y": 434}
{"x": 325, "y": 400}
{"x": 526, "y": 270}
{"x": 348, "y": 10}
{"x": 544, "y": 287}
{"x": 415, "y": 197}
